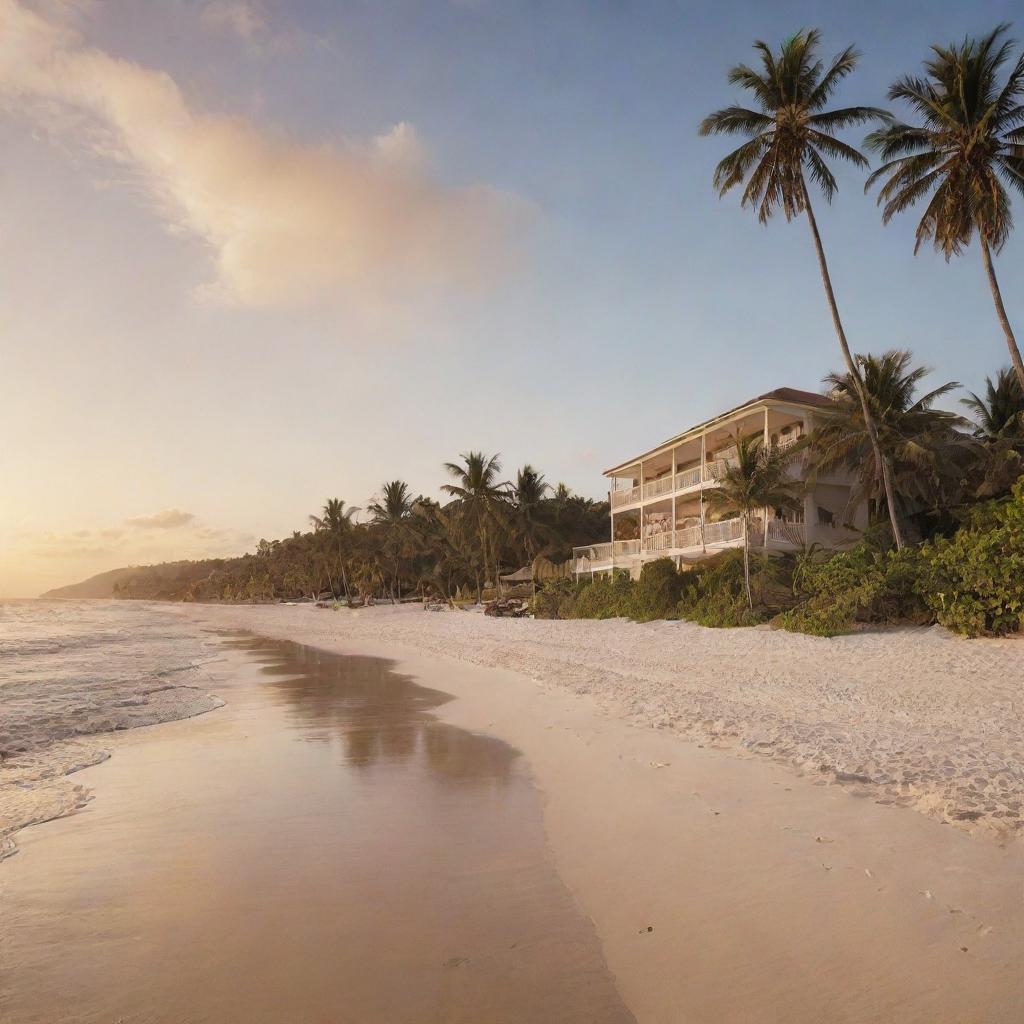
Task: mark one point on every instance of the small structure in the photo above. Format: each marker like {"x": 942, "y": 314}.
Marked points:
{"x": 524, "y": 575}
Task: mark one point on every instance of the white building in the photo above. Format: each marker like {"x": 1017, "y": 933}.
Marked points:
{"x": 658, "y": 505}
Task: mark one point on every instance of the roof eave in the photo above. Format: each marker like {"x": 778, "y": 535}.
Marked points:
{"x": 700, "y": 427}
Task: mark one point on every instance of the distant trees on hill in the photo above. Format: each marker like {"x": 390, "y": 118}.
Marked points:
{"x": 409, "y": 544}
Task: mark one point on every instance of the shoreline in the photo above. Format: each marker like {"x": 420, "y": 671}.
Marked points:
{"x": 723, "y": 886}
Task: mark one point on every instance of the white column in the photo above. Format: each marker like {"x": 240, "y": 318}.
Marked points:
{"x": 810, "y": 505}
{"x": 673, "y": 524}
{"x": 703, "y": 469}
{"x": 641, "y": 512}
{"x": 767, "y": 442}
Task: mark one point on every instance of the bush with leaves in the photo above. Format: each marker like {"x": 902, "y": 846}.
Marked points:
{"x": 974, "y": 580}
{"x": 605, "y": 597}
{"x": 556, "y": 599}
{"x": 714, "y": 594}
{"x": 656, "y": 594}
{"x": 865, "y": 583}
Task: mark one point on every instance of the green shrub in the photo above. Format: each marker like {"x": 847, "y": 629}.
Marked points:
{"x": 605, "y": 597}
{"x": 974, "y": 581}
{"x": 864, "y": 583}
{"x": 556, "y": 599}
{"x": 656, "y": 594}
{"x": 713, "y": 593}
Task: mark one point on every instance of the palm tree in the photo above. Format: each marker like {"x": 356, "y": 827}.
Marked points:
{"x": 480, "y": 500}
{"x": 788, "y": 138}
{"x": 1001, "y": 411}
{"x": 393, "y": 513}
{"x": 968, "y": 149}
{"x": 924, "y": 446}
{"x": 335, "y": 522}
{"x": 758, "y": 478}
{"x": 527, "y": 495}
{"x": 999, "y": 419}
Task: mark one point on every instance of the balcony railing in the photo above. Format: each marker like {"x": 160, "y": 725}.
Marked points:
{"x": 628, "y": 553}
{"x": 687, "y": 478}
{"x": 717, "y": 469}
{"x": 660, "y": 541}
{"x": 786, "y": 533}
{"x": 658, "y": 487}
{"x": 625, "y": 497}
{"x": 726, "y": 530}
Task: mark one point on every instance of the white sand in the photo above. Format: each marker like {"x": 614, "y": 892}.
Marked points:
{"x": 913, "y": 717}
{"x": 725, "y": 888}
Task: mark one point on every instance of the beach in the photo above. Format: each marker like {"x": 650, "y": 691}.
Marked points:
{"x": 666, "y": 823}
{"x": 724, "y": 885}
{"x": 915, "y": 717}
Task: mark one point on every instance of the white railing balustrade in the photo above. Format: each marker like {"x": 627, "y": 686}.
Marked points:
{"x": 660, "y": 541}
{"x": 786, "y": 533}
{"x": 625, "y": 497}
{"x": 688, "y": 478}
{"x": 688, "y": 537}
{"x": 625, "y": 547}
{"x": 724, "y": 531}
{"x": 717, "y": 469}
{"x": 658, "y": 487}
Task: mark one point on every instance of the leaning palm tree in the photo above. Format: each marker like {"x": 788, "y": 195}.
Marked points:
{"x": 335, "y": 523}
{"x": 788, "y": 140}
{"x": 929, "y": 454}
{"x": 393, "y": 514}
{"x": 480, "y": 500}
{"x": 757, "y": 478}
{"x": 967, "y": 152}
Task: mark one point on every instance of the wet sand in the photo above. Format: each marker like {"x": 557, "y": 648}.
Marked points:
{"x": 321, "y": 849}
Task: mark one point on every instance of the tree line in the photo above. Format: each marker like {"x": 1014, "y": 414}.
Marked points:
{"x": 406, "y": 545}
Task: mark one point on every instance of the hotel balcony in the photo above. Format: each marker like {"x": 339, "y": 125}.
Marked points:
{"x": 690, "y": 544}
{"x": 684, "y": 481}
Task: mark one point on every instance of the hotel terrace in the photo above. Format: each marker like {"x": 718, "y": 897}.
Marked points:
{"x": 658, "y": 506}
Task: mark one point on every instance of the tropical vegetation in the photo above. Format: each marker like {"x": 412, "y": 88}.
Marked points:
{"x": 406, "y": 545}
{"x": 966, "y": 152}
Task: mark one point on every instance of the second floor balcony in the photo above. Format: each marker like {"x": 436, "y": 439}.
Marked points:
{"x": 682, "y": 482}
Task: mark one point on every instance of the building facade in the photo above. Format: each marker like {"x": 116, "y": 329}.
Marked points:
{"x": 659, "y": 504}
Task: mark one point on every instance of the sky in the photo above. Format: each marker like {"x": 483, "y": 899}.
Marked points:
{"x": 258, "y": 253}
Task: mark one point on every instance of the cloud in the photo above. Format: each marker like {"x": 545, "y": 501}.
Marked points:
{"x": 285, "y": 223}
{"x": 242, "y": 17}
{"x": 169, "y": 519}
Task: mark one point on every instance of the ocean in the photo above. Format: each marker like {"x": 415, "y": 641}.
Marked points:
{"x": 71, "y": 671}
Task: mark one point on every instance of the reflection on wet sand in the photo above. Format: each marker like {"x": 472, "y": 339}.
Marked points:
{"x": 380, "y": 715}
{"x": 320, "y": 850}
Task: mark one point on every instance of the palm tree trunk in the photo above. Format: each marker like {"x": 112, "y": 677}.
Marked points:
{"x": 881, "y": 463}
{"x": 746, "y": 564}
{"x": 997, "y": 298}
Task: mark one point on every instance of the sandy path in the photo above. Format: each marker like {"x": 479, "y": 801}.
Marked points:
{"x": 913, "y": 717}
